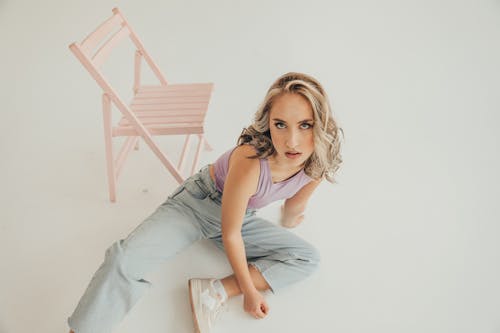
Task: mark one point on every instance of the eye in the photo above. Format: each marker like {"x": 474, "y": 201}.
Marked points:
{"x": 279, "y": 125}
{"x": 306, "y": 126}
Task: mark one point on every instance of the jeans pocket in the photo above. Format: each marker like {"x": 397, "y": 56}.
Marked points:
{"x": 196, "y": 189}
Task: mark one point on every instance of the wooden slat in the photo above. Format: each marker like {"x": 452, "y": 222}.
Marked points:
{"x": 145, "y": 114}
{"x": 106, "y": 48}
{"x": 177, "y": 86}
{"x": 159, "y": 130}
{"x": 165, "y": 120}
{"x": 173, "y": 94}
{"x": 170, "y": 100}
{"x": 201, "y": 90}
{"x": 142, "y": 100}
{"x": 171, "y": 107}
{"x": 92, "y": 40}
{"x": 171, "y": 89}
{"x": 177, "y": 126}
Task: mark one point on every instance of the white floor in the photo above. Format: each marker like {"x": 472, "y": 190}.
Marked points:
{"x": 409, "y": 235}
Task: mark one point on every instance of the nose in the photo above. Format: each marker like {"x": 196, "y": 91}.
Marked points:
{"x": 292, "y": 141}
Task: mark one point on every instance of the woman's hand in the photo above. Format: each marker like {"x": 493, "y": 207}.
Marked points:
{"x": 290, "y": 221}
{"x": 255, "y": 304}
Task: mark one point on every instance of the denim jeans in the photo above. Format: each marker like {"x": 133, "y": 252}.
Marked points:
{"x": 191, "y": 212}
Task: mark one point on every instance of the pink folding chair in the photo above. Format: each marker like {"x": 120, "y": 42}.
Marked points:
{"x": 164, "y": 109}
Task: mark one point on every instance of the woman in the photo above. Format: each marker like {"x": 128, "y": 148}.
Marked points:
{"x": 293, "y": 144}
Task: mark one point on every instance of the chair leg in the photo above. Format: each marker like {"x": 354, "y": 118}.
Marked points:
{"x": 197, "y": 155}
{"x": 106, "y": 109}
{"x": 207, "y": 145}
{"x": 129, "y": 143}
{"x": 136, "y": 147}
{"x": 184, "y": 151}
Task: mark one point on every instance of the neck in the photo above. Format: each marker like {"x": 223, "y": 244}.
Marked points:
{"x": 283, "y": 167}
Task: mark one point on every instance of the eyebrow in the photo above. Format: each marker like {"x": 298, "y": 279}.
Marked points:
{"x": 300, "y": 122}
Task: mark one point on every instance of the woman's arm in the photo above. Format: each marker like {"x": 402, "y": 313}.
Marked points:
{"x": 294, "y": 207}
{"x": 241, "y": 183}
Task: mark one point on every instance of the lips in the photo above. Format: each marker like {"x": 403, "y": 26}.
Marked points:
{"x": 292, "y": 154}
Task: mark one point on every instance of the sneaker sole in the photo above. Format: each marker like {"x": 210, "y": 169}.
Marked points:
{"x": 191, "y": 301}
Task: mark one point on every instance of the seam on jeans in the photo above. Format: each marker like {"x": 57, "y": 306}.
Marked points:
{"x": 176, "y": 192}
{"x": 272, "y": 252}
{"x": 259, "y": 246}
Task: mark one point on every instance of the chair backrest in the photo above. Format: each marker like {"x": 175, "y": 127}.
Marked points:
{"x": 96, "y": 47}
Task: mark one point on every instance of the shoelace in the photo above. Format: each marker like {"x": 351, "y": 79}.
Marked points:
{"x": 215, "y": 306}
{"x": 208, "y": 300}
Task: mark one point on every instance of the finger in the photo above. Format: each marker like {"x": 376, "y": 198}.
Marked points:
{"x": 255, "y": 314}
{"x": 252, "y": 313}
{"x": 261, "y": 312}
{"x": 265, "y": 308}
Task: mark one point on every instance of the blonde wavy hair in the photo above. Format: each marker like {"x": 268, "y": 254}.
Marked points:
{"x": 326, "y": 158}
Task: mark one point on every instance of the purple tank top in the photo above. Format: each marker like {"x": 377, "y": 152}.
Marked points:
{"x": 267, "y": 191}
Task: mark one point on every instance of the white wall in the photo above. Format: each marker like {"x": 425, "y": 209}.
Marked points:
{"x": 409, "y": 236}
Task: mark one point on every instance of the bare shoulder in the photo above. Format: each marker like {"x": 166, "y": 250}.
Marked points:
{"x": 244, "y": 150}
{"x": 243, "y": 171}
{"x": 240, "y": 157}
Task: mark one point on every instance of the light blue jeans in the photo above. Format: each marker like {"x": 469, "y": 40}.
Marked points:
{"x": 191, "y": 212}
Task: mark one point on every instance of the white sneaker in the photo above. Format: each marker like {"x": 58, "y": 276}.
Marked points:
{"x": 206, "y": 304}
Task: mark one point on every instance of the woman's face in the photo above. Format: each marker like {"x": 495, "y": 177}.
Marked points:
{"x": 291, "y": 123}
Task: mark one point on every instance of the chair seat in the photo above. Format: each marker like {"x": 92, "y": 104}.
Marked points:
{"x": 168, "y": 109}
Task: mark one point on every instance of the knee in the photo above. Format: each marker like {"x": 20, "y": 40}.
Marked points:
{"x": 115, "y": 259}
{"x": 313, "y": 257}
{"x": 309, "y": 258}
{"x": 125, "y": 261}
